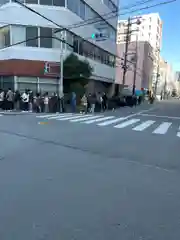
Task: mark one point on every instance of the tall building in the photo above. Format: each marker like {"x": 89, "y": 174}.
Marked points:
{"x": 144, "y": 66}
{"x": 24, "y": 49}
{"x": 150, "y": 30}
{"x": 167, "y": 81}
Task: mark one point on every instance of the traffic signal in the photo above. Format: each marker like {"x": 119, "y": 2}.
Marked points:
{"x": 97, "y": 36}
{"x": 93, "y": 35}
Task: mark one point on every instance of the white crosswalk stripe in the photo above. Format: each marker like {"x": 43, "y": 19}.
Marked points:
{"x": 71, "y": 117}
{"x": 48, "y": 115}
{"x": 163, "y": 128}
{"x": 143, "y": 125}
{"x": 60, "y": 115}
{"x": 127, "y": 123}
{"x": 109, "y": 122}
{"x": 99, "y": 119}
{"x": 178, "y": 133}
{"x": 86, "y": 118}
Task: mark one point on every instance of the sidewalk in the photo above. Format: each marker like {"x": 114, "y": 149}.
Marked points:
{"x": 14, "y": 112}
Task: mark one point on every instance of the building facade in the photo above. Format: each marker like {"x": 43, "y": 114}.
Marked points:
{"x": 167, "y": 80}
{"x": 27, "y": 41}
{"x": 150, "y": 30}
{"x": 144, "y": 65}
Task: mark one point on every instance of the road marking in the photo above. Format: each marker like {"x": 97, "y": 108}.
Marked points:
{"x": 123, "y": 118}
{"x": 143, "y": 125}
{"x": 99, "y": 120}
{"x": 178, "y": 134}
{"x": 42, "y": 123}
{"x": 86, "y": 118}
{"x": 163, "y": 128}
{"x": 45, "y": 116}
{"x": 71, "y": 117}
{"x": 106, "y": 123}
{"x": 127, "y": 123}
{"x": 159, "y": 116}
{"x": 61, "y": 116}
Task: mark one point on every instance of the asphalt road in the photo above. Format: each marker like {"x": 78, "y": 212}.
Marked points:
{"x": 72, "y": 180}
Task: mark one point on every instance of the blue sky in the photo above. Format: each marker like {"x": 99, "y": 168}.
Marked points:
{"x": 170, "y": 15}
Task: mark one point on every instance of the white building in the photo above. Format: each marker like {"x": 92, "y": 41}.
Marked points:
{"x": 22, "y": 60}
{"x": 150, "y": 30}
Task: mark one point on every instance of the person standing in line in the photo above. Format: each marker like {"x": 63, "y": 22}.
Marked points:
{"x": 25, "y": 100}
{"x": 84, "y": 104}
{"x": 92, "y": 102}
{"x": 46, "y": 103}
{"x": 73, "y": 102}
{"x": 10, "y": 99}
{"x": 1, "y": 98}
{"x": 31, "y": 97}
{"x": 17, "y": 100}
{"x": 104, "y": 101}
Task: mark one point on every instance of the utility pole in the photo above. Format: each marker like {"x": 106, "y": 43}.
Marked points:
{"x": 126, "y": 51}
{"x": 165, "y": 83}
{"x": 135, "y": 65}
{"x": 60, "y": 85}
{"x": 157, "y": 74}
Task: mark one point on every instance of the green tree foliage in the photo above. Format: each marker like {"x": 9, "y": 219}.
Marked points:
{"x": 76, "y": 69}
{"x": 76, "y": 75}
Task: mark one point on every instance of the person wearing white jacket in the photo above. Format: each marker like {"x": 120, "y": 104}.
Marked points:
{"x": 25, "y": 100}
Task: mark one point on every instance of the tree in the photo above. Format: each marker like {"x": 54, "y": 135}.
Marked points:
{"x": 76, "y": 69}
{"x": 76, "y": 75}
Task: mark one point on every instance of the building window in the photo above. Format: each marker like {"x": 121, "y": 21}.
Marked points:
{"x": 85, "y": 12}
{"x": 46, "y": 2}
{"x": 31, "y": 1}
{"x": 87, "y": 49}
{"x": 46, "y": 37}
{"x": 73, "y": 6}
{"x": 5, "y": 36}
{"x": 60, "y": 3}
{"x": 76, "y": 44}
{"x": 110, "y": 5}
{"x": 82, "y": 10}
{"x": 32, "y": 36}
{"x": 4, "y": 2}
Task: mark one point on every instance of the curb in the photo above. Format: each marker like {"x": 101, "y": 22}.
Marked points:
{"x": 15, "y": 113}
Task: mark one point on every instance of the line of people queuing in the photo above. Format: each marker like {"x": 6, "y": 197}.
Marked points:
{"x": 28, "y": 101}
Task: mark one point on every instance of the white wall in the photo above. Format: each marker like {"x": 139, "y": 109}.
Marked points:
{"x": 101, "y": 71}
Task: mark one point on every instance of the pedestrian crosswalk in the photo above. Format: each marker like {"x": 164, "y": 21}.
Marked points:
{"x": 135, "y": 124}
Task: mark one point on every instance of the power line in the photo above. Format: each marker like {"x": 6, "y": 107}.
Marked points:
{"x": 88, "y": 21}
{"x": 129, "y": 6}
{"x": 129, "y": 12}
{"x": 84, "y": 23}
{"x": 81, "y": 22}
{"x": 65, "y": 28}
